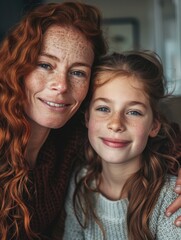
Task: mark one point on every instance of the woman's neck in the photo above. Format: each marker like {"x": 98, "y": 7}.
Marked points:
{"x": 37, "y": 138}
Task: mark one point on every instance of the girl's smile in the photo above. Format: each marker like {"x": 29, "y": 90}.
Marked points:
{"x": 115, "y": 143}
{"x": 120, "y": 120}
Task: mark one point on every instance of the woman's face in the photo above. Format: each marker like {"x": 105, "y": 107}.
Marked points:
{"x": 58, "y": 85}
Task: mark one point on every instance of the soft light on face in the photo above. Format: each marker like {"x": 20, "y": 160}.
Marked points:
{"x": 59, "y": 84}
{"x": 120, "y": 120}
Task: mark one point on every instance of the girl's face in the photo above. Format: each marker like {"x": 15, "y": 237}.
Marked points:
{"x": 120, "y": 120}
{"x": 59, "y": 83}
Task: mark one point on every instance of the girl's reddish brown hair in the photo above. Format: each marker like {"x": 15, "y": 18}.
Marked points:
{"x": 18, "y": 57}
{"x": 158, "y": 159}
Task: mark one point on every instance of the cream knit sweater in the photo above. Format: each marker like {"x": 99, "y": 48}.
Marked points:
{"x": 113, "y": 217}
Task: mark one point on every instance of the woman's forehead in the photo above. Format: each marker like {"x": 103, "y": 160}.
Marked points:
{"x": 67, "y": 39}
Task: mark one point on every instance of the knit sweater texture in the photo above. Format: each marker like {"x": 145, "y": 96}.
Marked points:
{"x": 50, "y": 178}
{"x": 112, "y": 215}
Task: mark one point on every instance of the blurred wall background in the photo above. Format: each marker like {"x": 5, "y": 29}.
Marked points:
{"x": 11, "y": 11}
{"x": 129, "y": 24}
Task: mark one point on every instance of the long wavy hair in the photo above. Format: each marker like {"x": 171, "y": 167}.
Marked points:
{"x": 158, "y": 159}
{"x": 18, "y": 57}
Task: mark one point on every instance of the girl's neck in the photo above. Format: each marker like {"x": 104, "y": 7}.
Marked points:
{"x": 37, "y": 138}
{"x": 113, "y": 179}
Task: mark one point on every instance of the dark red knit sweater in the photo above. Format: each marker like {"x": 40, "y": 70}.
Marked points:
{"x": 51, "y": 176}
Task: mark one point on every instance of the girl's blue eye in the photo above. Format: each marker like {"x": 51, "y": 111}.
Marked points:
{"x": 134, "y": 113}
{"x": 103, "y": 109}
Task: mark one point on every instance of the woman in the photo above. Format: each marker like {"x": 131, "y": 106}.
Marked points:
{"x": 45, "y": 64}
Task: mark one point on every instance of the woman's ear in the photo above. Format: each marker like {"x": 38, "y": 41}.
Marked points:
{"x": 86, "y": 118}
{"x": 155, "y": 128}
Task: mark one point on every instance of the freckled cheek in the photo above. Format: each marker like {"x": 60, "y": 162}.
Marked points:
{"x": 140, "y": 128}
{"x": 34, "y": 82}
{"x": 79, "y": 90}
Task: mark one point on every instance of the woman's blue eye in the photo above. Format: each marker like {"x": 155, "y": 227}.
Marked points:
{"x": 77, "y": 73}
{"x": 45, "y": 66}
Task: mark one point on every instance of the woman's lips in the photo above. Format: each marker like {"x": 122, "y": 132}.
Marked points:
{"x": 55, "y": 104}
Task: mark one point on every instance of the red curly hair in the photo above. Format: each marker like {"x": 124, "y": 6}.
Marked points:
{"x": 18, "y": 57}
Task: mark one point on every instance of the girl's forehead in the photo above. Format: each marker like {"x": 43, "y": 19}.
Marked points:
{"x": 120, "y": 83}
{"x": 108, "y": 76}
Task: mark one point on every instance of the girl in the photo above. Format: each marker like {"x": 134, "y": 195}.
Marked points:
{"x": 128, "y": 180}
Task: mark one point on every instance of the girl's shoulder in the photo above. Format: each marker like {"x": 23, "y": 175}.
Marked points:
{"x": 166, "y": 197}
{"x": 162, "y": 226}
{"x": 171, "y": 179}
{"x": 76, "y": 176}
{"x": 170, "y": 182}
{"x": 167, "y": 193}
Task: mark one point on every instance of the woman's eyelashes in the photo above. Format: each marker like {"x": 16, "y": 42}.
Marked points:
{"x": 46, "y": 66}
{"x": 72, "y": 73}
{"x": 78, "y": 73}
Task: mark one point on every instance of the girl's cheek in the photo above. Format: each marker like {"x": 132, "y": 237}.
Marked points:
{"x": 94, "y": 125}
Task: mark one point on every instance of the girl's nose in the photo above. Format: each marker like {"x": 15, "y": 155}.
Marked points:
{"x": 116, "y": 123}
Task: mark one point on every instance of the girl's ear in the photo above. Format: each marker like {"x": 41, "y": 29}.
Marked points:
{"x": 155, "y": 128}
{"x": 86, "y": 118}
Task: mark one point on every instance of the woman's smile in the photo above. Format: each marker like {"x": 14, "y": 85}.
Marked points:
{"x": 57, "y": 86}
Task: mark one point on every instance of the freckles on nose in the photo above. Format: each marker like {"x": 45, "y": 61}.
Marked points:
{"x": 59, "y": 82}
{"x": 61, "y": 86}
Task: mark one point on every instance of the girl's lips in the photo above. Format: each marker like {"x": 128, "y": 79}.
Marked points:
{"x": 115, "y": 143}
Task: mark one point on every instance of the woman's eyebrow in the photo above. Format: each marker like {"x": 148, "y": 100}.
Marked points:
{"x": 82, "y": 64}
{"x": 58, "y": 60}
{"x": 50, "y": 56}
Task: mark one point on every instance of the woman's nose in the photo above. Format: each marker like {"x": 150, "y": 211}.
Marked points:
{"x": 59, "y": 83}
{"x": 116, "y": 123}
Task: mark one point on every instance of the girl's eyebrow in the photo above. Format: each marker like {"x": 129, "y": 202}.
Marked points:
{"x": 131, "y": 103}
{"x": 58, "y": 60}
{"x": 102, "y": 99}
